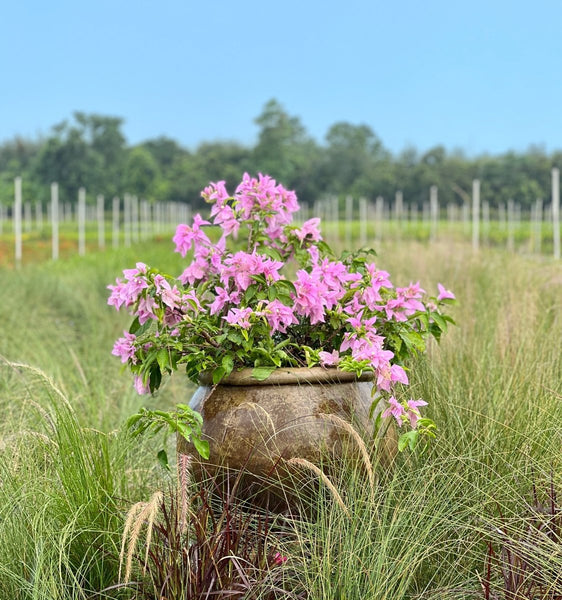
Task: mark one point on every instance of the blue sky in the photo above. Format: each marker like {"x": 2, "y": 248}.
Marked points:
{"x": 485, "y": 76}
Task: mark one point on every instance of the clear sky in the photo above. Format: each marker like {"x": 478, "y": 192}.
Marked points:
{"x": 478, "y": 75}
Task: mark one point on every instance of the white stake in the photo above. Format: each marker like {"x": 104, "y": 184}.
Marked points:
{"x": 556, "y": 212}
{"x": 363, "y": 221}
{"x": 144, "y": 219}
{"x": 100, "y": 213}
{"x": 55, "y": 219}
{"x": 135, "y": 219}
{"x": 538, "y": 225}
{"x": 379, "y": 212}
{"x": 127, "y": 219}
{"x": 115, "y": 222}
{"x": 348, "y": 219}
{"x": 17, "y": 219}
{"x": 434, "y": 208}
{"x": 475, "y": 215}
{"x": 398, "y": 206}
{"x": 81, "y": 221}
{"x": 39, "y": 216}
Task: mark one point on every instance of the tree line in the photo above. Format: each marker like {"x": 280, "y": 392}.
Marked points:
{"x": 91, "y": 151}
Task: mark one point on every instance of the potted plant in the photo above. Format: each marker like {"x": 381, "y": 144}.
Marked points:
{"x": 286, "y": 340}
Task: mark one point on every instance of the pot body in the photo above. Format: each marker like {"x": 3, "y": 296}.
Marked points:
{"x": 257, "y": 426}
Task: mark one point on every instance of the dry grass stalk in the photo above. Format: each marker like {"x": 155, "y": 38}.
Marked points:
{"x": 302, "y": 462}
{"x": 139, "y": 513}
{"x": 16, "y": 366}
{"x": 184, "y": 470}
{"x": 339, "y": 422}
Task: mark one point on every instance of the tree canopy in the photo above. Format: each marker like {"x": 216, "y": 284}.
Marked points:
{"x": 90, "y": 150}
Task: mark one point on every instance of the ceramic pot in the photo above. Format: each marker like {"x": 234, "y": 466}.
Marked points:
{"x": 258, "y": 425}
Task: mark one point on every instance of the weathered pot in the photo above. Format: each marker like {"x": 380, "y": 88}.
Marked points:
{"x": 258, "y": 425}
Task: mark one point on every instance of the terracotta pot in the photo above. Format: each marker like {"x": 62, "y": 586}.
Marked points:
{"x": 258, "y": 425}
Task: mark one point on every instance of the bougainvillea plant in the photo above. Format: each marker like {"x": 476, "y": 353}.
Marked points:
{"x": 264, "y": 293}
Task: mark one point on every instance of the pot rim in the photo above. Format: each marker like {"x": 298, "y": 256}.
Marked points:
{"x": 290, "y": 376}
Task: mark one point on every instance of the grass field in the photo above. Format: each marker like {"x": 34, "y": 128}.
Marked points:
{"x": 69, "y": 471}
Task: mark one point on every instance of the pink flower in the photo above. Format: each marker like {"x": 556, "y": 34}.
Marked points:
{"x": 146, "y": 308}
{"x": 124, "y": 347}
{"x": 196, "y": 271}
{"x": 127, "y": 293}
{"x": 169, "y": 296}
{"x": 215, "y": 192}
{"x": 279, "y": 559}
{"x": 226, "y": 218}
{"x": 242, "y": 266}
{"x": 220, "y": 300}
{"x": 240, "y": 317}
{"x": 413, "y": 412}
{"x": 142, "y": 388}
{"x": 310, "y": 230}
{"x": 395, "y": 409}
{"x": 396, "y": 309}
{"x": 379, "y": 278}
{"x": 328, "y": 359}
{"x": 279, "y": 316}
{"x": 397, "y": 373}
{"x": 186, "y": 236}
{"x": 308, "y": 301}
{"x": 443, "y": 293}
{"x": 256, "y": 197}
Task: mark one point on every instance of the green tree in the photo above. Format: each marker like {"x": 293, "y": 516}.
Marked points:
{"x": 141, "y": 173}
{"x": 89, "y": 152}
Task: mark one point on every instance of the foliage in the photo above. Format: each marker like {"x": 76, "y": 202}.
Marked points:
{"x": 526, "y": 561}
{"x": 495, "y": 391}
{"x": 91, "y": 151}
{"x": 234, "y": 309}
{"x": 182, "y": 421}
{"x": 209, "y": 546}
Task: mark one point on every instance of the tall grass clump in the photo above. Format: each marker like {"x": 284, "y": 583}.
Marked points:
{"x": 420, "y": 529}
{"x": 495, "y": 386}
{"x": 68, "y": 470}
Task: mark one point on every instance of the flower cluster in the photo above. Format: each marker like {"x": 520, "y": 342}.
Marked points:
{"x": 274, "y": 296}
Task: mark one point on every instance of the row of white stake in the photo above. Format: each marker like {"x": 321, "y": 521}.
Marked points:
{"x": 141, "y": 219}
{"x": 509, "y": 217}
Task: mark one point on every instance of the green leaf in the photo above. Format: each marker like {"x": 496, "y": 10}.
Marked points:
{"x": 218, "y": 374}
{"x": 163, "y": 358}
{"x": 412, "y": 340}
{"x": 440, "y": 321}
{"x": 137, "y": 329}
{"x": 287, "y": 284}
{"x": 409, "y": 439}
{"x": 262, "y": 373}
{"x": 250, "y": 292}
{"x": 155, "y": 378}
{"x": 271, "y": 293}
{"x": 162, "y": 457}
{"x": 133, "y": 420}
{"x": 202, "y": 446}
{"x": 227, "y": 364}
{"x": 235, "y": 337}
{"x": 135, "y": 325}
{"x": 271, "y": 252}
